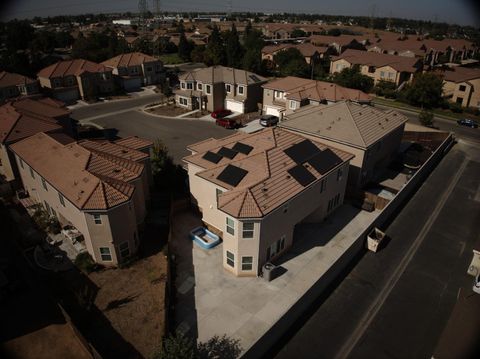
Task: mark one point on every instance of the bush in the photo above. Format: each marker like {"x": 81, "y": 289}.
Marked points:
{"x": 426, "y": 118}
{"x": 456, "y": 107}
{"x": 84, "y": 262}
{"x": 386, "y": 89}
{"x": 473, "y": 110}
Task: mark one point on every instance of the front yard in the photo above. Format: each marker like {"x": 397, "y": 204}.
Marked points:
{"x": 171, "y": 110}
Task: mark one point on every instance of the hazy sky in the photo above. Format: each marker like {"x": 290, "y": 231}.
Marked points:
{"x": 452, "y": 11}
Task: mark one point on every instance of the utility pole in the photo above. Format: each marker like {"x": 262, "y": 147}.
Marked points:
{"x": 373, "y": 11}
{"x": 142, "y": 15}
{"x": 156, "y": 44}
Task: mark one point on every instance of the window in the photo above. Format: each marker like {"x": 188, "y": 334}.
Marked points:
{"x": 208, "y": 89}
{"x": 247, "y": 263}
{"x": 105, "y": 254}
{"x": 199, "y": 86}
{"x": 241, "y": 90}
{"x": 228, "y": 88}
{"x": 97, "y": 219}
{"x": 61, "y": 199}
{"x": 135, "y": 70}
{"x": 278, "y": 94}
{"x": 21, "y": 162}
{"x": 183, "y": 101}
{"x": 52, "y": 211}
{"x": 323, "y": 185}
{"x": 391, "y": 75}
{"x": 459, "y": 100}
{"x": 382, "y": 74}
{"x": 247, "y": 230}
{"x": 293, "y": 105}
{"x": 182, "y": 85}
{"x": 32, "y": 173}
{"x": 47, "y": 207}
{"x": 44, "y": 184}
{"x": 124, "y": 249}
{"x": 339, "y": 174}
{"x": 462, "y": 88}
{"x": 148, "y": 68}
{"x": 218, "y": 192}
{"x": 230, "y": 259}
{"x": 230, "y": 226}
{"x": 189, "y": 85}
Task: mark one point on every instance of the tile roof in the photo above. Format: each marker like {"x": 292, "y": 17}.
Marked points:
{"x": 399, "y": 63}
{"x": 40, "y": 108}
{"x": 71, "y": 68}
{"x": 297, "y": 88}
{"x": 218, "y": 74}
{"x": 134, "y": 142}
{"x": 267, "y": 185}
{"x": 114, "y": 149}
{"x": 346, "y": 122}
{"x": 306, "y": 49}
{"x": 460, "y": 74}
{"x": 8, "y": 79}
{"x": 129, "y": 59}
{"x": 341, "y": 40}
{"x": 90, "y": 179}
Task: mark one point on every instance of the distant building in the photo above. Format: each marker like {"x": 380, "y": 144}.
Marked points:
{"x": 462, "y": 85}
{"x": 340, "y": 43}
{"x": 13, "y": 85}
{"x": 218, "y": 87}
{"x": 72, "y": 80}
{"x": 311, "y": 53}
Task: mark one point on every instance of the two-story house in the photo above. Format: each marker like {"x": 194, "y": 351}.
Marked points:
{"x": 219, "y": 87}
{"x": 371, "y": 134}
{"x": 252, "y": 189}
{"x": 72, "y": 80}
{"x": 462, "y": 85}
{"x": 378, "y": 66}
{"x": 13, "y": 85}
{"x": 135, "y": 69}
{"x": 311, "y": 53}
{"x": 285, "y": 95}
{"x": 100, "y": 188}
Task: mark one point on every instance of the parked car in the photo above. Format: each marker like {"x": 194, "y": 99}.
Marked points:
{"x": 467, "y": 122}
{"x": 476, "y": 284}
{"x": 221, "y": 113}
{"x": 268, "y": 120}
{"x": 228, "y": 123}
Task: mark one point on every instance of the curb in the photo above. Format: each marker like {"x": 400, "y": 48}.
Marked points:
{"x": 413, "y": 111}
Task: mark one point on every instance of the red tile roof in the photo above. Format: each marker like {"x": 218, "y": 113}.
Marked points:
{"x": 8, "y": 79}
{"x": 130, "y": 59}
{"x": 71, "y": 68}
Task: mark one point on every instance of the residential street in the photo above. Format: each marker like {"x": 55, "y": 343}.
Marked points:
{"x": 395, "y": 303}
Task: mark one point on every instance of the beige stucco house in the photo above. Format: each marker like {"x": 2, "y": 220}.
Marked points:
{"x": 372, "y": 135}
{"x": 13, "y": 85}
{"x": 99, "y": 187}
{"x": 285, "y": 95}
{"x": 219, "y": 87}
{"x": 135, "y": 69}
{"x": 72, "y": 80}
{"x": 311, "y": 53}
{"x": 462, "y": 85}
{"x": 378, "y": 66}
{"x": 252, "y": 189}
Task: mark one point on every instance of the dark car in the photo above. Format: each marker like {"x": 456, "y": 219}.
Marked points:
{"x": 221, "y": 113}
{"x": 229, "y": 123}
{"x": 268, "y": 120}
{"x": 467, "y": 122}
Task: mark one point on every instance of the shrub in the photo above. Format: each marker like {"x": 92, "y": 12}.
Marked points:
{"x": 84, "y": 262}
{"x": 456, "y": 107}
{"x": 426, "y": 118}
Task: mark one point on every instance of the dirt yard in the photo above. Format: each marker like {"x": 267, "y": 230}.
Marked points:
{"x": 133, "y": 301}
{"x": 168, "y": 110}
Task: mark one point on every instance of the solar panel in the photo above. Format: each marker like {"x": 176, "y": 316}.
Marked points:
{"x": 212, "y": 157}
{"x": 254, "y": 78}
{"x": 242, "y": 148}
{"x": 301, "y": 175}
{"x": 232, "y": 175}
{"x": 325, "y": 161}
{"x": 227, "y": 152}
{"x": 302, "y": 151}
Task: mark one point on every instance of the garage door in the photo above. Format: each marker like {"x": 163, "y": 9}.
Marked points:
{"x": 273, "y": 111}
{"x": 234, "y": 106}
{"x": 132, "y": 84}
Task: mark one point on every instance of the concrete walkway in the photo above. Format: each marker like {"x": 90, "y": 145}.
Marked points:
{"x": 212, "y": 301}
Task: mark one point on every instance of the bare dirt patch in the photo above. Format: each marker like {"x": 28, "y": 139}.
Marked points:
{"x": 168, "y": 110}
{"x": 133, "y": 301}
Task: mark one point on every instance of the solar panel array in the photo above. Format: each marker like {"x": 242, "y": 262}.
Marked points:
{"x": 232, "y": 175}
{"x": 302, "y": 152}
{"x": 301, "y": 175}
{"x": 242, "y": 148}
{"x": 324, "y": 161}
{"x": 212, "y": 157}
{"x": 227, "y": 152}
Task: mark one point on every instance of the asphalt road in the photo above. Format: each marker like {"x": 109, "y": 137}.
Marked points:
{"x": 395, "y": 303}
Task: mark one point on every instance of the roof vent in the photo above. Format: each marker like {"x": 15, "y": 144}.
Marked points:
{"x": 288, "y": 176}
{"x": 124, "y": 151}
{"x": 329, "y": 127}
{"x": 85, "y": 179}
{"x": 116, "y": 170}
{"x": 75, "y": 183}
{"x": 264, "y": 189}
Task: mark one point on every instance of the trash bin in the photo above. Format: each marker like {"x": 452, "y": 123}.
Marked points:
{"x": 268, "y": 271}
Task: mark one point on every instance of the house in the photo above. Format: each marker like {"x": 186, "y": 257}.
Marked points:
{"x": 372, "y": 135}
{"x": 134, "y": 70}
{"x": 72, "y": 80}
{"x": 281, "y": 31}
{"x": 462, "y": 85}
{"x": 217, "y": 87}
{"x": 285, "y": 95}
{"x": 252, "y": 189}
{"x": 13, "y": 85}
{"x": 99, "y": 187}
{"x": 25, "y": 117}
{"x": 339, "y": 43}
{"x": 397, "y": 69}
{"x": 311, "y": 53}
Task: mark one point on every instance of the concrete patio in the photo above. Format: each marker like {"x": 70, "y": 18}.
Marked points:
{"x": 212, "y": 301}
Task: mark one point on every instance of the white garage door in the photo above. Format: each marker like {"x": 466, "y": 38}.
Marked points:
{"x": 234, "y": 106}
{"x": 273, "y": 111}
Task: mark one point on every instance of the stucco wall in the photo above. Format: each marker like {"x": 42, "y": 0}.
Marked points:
{"x": 7, "y": 169}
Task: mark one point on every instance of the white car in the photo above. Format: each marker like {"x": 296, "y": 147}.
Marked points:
{"x": 476, "y": 284}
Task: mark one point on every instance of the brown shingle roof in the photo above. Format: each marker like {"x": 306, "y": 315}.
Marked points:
{"x": 130, "y": 59}
{"x": 460, "y": 74}
{"x": 71, "y": 68}
{"x": 267, "y": 185}
{"x": 345, "y": 122}
{"x": 9, "y": 79}
{"x": 91, "y": 180}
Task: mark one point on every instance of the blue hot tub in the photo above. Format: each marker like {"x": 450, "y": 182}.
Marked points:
{"x": 204, "y": 238}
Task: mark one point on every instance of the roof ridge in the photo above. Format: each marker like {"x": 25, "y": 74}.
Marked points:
{"x": 91, "y": 193}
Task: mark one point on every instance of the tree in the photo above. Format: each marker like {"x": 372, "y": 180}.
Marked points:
{"x": 352, "y": 78}
{"x": 176, "y": 346}
{"x": 291, "y": 62}
{"x": 198, "y": 54}
{"x": 426, "y": 118}
{"x": 425, "y": 91}
{"x": 385, "y": 88}
{"x": 215, "y": 50}
{"x": 334, "y": 32}
{"x": 185, "y": 47}
{"x": 298, "y": 33}
{"x": 253, "y": 44}
{"x": 233, "y": 49}
{"x": 219, "y": 347}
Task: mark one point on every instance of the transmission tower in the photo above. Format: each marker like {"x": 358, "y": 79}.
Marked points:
{"x": 373, "y": 11}
{"x": 230, "y": 6}
{"x": 156, "y": 7}
{"x": 142, "y": 15}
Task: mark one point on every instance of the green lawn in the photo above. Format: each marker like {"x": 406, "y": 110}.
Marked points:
{"x": 171, "y": 59}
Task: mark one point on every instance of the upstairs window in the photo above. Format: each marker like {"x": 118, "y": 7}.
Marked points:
{"x": 61, "y": 199}
{"x": 208, "y": 89}
{"x": 97, "y": 219}
{"x": 105, "y": 254}
{"x": 248, "y": 228}
{"x": 462, "y": 88}
{"x": 241, "y": 90}
{"x": 228, "y": 88}
{"x": 44, "y": 184}
{"x": 230, "y": 226}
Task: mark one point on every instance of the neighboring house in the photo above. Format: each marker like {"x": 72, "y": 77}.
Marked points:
{"x": 285, "y": 95}
{"x": 282, "y": 31}
{"x": 397, "y": 69}
{"x": 462, "y": 85}
{"x": 311, "y": 53}
{"x": 72, "y": 80}
{"x": 340, "y": 43}
{"x": 26, "y": 117}
{"x": 218, "y": 87}
{"x": 13, "y": 85}
{"x": 252, "y": 189}
{"x": 98, "y": 187}
{"x": 372, "y": 135}
{"x": 134, "y": 70}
